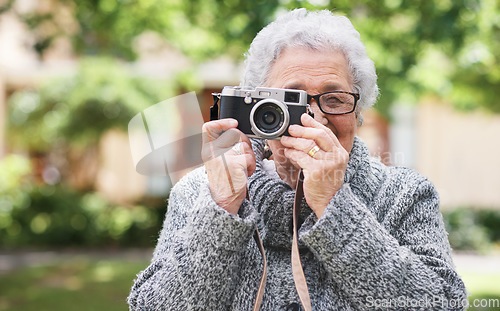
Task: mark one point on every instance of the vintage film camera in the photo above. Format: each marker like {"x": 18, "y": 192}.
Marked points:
{"x": 261, "y": 112}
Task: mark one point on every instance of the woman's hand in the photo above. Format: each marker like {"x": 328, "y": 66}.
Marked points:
{"x": 323, "y": 171}
{"x": 229, "y": 160}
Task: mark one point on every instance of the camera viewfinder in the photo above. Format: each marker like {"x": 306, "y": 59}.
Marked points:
{"x": 292, "y": 97}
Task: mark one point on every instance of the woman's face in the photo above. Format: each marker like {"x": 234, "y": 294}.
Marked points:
{"x": 316, "y": 71}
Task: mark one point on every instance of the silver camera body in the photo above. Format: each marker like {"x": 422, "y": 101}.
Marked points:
{"x": 263, "y": 112}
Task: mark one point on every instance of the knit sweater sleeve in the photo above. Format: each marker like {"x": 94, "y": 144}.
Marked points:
{"x": 194, "y": 266}
{"x": 400, "y": 262}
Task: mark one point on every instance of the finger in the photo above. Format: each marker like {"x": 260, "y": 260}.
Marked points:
{"x": 227, "y": 139}
{"x": 298, "y": 143}
{"x": 305, "y": 138}
{"x": 246, "y": 148}
{"x": 311, "y": 126}
{"x": 302, "y": 159}
{"x": 242, "y": 154}
{"x": 244, "y": 139}
{"x": 237, "y": 149}
{"x": 240, "y": 148}
{"x": 250, "y": 161}
{"x": 213, "y": 129}
{"x": 225, "y": 142}
{"x": 309, "y": 121}
{"x": 234, "y": 140}
{"x": 238, "y": 167}
{"x": 247, "y": 152}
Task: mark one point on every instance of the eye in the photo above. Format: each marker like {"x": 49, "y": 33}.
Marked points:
{"x": 337, "y": 102}
{"x": 332, "y": 99}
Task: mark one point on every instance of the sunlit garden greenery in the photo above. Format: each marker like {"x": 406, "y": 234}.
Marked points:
{"x": 79, "y": 108}
{"x": 60, "y": 217}
{"x": 449, "y": 49}
{"x": 33, "y": 215}
{"x": 473, "y": 229}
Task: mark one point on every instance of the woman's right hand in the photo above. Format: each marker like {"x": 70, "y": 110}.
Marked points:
{"x": 229, "y": 160}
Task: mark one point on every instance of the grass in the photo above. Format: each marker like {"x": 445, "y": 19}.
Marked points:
{"x": 484, "y": 289}
{"x": 77, "y": 286}
{"x": 93, "y": 285}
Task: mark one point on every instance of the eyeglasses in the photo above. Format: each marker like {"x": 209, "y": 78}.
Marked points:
{"x": 336, "y": 102}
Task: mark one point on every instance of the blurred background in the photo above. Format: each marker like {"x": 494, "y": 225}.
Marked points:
{"x": 77, "y": 222}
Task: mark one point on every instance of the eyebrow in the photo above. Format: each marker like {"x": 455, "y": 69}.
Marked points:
{"x": 294, "y": 86}
{"x": 332, "y": 86}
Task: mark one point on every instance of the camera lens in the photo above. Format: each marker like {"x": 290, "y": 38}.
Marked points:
{"x": 269, "y": 118}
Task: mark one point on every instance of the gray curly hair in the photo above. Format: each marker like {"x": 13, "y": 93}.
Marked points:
{"x": 316, "y": 30}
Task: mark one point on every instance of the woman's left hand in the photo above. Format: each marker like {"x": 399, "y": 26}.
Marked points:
{"x": 324, "y": 171}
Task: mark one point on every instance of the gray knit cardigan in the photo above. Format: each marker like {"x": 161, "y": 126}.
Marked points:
{"x": 380, "y": 245}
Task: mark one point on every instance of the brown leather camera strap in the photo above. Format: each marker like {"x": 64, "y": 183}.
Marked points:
{"x": 262, "y": 285}
{"x": 298, "y": 273}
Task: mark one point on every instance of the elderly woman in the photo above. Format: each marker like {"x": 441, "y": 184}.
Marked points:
{"x": 371, "y": 236}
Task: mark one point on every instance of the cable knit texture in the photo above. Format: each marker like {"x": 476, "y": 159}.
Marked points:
{"x": 380, "y": 245}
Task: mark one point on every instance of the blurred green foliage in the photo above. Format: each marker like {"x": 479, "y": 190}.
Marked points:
{"x": 472, "y": 229}
{"x": 33, "y": 215}
{"x": 77, "y": 109}
{"x": 441, "y": 47}
{"x": 200, "y": 28}
{"x": 15, "y": 170}
{"x": 59, "y": 217}
{"x": 62, "y": 120}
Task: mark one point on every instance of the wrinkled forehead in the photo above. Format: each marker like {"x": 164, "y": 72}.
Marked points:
{"x": 317, "y": 61}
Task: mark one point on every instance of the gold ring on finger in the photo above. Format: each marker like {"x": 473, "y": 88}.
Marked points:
{"x": 313, "y": 151}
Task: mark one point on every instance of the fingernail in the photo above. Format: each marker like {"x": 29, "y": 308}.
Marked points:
{"x": 292, "y": 128}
